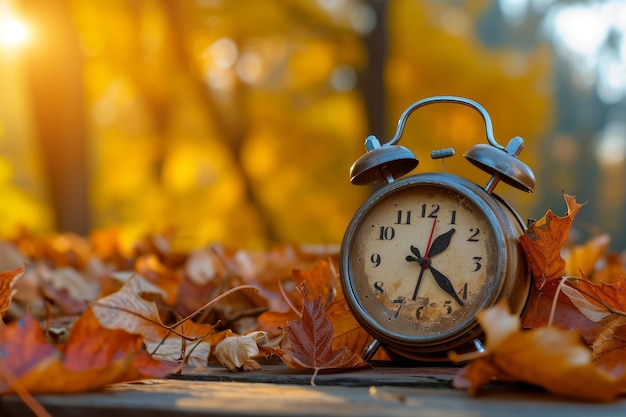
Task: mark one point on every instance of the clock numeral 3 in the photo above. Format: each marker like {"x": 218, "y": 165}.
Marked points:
{"x": 477, "y": 264}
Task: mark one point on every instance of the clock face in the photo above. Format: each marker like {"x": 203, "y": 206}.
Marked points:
{"x": 423, "y": 261}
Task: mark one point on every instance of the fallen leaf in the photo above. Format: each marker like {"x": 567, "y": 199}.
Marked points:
{"x": 585, "y": 257}
{"x": 612, "y": 270}
{"x": 609, "y": 300}
{"x": 311, "y": 339}
{"x": 612, "y": 296}
{"x": 7, "y": 281}
{"x": 92, "y": 358}
{"x": 612, "y": 338}
{"x": 592, "y": 311}
{"x": 125, "y": 309}
{"x": 552, "y": 358}
{"x": 543, "y": 241}
{"x": 237, "y": 352}
{"x": 566, "y": 315}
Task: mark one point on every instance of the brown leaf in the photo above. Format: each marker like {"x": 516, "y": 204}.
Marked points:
{"x": 92, "y": 358}
{"x": 237, "y": 352}
{"x": 552, "y": 358}
{"x": 7, "y": 281}
{"x": 543, "y": 241}
{"x": 612, "y": 295}
{"x": 311, "y": 340}
{"x": 611, "y": 338}
{"x": 613, "y": 270}
{"x": 609, "y": 299}
{"x": 126, "y": 310}
{"x": 584, "y": 257}
{"x": 568, "y": 316}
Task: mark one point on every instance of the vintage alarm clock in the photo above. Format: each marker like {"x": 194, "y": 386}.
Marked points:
{"x": 425, "y": 253}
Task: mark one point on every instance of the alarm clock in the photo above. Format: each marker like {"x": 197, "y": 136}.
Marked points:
{"x": 426, "y": 252}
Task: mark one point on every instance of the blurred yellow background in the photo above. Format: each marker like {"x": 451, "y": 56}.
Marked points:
{"x": 237, "y": 121}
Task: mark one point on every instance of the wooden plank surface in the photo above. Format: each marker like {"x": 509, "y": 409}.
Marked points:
{"x": 280, "y": 392}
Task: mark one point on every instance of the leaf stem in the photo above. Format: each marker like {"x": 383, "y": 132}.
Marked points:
{"x": 287, "y": 300}
{"x": 23, "y": 393}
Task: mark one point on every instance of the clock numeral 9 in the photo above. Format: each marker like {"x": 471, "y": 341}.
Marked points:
{"x": 375, "y": 258}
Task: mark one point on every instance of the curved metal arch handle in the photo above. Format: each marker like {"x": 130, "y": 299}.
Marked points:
{"x": 445, "y": 99}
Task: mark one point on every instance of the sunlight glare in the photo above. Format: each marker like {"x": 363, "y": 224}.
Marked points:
{"x": 13, "y": 31}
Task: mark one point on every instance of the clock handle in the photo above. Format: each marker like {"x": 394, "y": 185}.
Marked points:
{"x": 441, "y": 99}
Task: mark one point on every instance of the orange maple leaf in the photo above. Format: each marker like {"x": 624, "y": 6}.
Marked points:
{"x": 544, "y": 240}
{"x": 7, "y": 281}
{"x": 311, "y": 340}
{"x": 611, "y": 296}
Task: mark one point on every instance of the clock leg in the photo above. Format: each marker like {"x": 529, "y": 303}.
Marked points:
{"x": 370, "y": 350}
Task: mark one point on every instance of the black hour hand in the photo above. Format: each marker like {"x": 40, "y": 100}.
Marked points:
{"x": 440, "y": 243}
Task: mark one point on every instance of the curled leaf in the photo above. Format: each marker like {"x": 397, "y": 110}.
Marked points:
{"x": 237, "y": 352}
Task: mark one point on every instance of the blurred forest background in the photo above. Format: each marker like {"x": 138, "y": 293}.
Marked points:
{"x": 237, "y": 121}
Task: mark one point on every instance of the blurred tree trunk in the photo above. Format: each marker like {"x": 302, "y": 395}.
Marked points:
{"x": 372, "y": 81}
{"x": 56, "y": 87}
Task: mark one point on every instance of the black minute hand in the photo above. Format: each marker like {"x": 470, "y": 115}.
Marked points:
{"x": 440, "y": 243}
{"x": 445, "y": 284}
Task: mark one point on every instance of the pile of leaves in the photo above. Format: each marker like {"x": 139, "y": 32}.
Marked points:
{"x": 81, "y": 313}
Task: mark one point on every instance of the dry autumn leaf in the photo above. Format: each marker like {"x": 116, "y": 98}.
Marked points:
{"x": 237, "y": 352}
{"x": 585, "y": 257}
{"x": 183, "y": 341}
{"x": 552, "y": 358}
{"x": 605, "y": 303}
{"x": 91, "y": 358}
{"x": 611, "y": 296}
{"x": 311, "y": 339}
{"x": 544, "y": 240}
{"x": 7, "y": 281}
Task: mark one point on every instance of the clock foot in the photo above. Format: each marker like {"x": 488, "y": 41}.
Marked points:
{"x": 370, "y": 350}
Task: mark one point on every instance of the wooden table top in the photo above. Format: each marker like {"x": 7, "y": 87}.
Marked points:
{"x": 279, "y": 391}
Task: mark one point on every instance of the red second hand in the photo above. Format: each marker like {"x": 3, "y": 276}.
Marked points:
{"x": 430, "y": 241}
